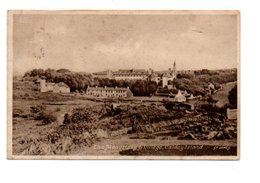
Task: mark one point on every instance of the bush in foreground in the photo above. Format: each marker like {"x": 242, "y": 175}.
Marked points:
{"x": 79, "y": 115}
{"x": 46, "y": 117}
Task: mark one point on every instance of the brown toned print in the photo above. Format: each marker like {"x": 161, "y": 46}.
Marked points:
{"x": 123, "y": 84}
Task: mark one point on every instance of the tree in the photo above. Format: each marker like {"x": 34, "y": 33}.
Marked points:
{"x": 185, "y": 75}
{"x": 232, "y": 97}
{"x": 151, "y": 87}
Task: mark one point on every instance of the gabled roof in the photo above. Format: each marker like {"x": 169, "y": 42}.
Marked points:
{"x": 62, "y": 84}
{"x": 179, "y": 96}
{"x": 131, "y": 72}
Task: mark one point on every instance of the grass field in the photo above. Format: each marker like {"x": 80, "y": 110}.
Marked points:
{"x": 31, "y": 137}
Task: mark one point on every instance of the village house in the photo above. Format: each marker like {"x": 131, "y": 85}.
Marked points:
{"x": 117, "y": 92}
{"x": 60, "y": 87}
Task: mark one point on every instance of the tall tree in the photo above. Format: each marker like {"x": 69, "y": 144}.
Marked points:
{"x": 232, "y": 97}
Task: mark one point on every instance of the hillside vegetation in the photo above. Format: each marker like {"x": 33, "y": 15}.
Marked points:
{"x": 195, "y": 83}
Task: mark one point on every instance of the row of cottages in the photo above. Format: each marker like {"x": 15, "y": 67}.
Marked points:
{"x": 60, "y": 87}
{"x": 117, "y": 92}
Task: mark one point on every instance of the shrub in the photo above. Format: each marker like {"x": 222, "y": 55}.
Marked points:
{"x": 46, "y": 117}
{"x": 232, "y": 97}
{"x": 79, "y": 115}
{"x": 37, "y": 109}
{"x": 57, "y": 109}
{"x": 66, "y": 118}
{"x": 17, "y": 113}
{"x": 213, "y": 109}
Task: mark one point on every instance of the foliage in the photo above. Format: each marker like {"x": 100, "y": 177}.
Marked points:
{"x": 143, "y": 88}
{"x": 79, "y": 115}
{"x": 17, "y": 113}
{"x": 41, "y": 114}
{"x": 198, "y": 84}
{"x": 46, "y": 117}
{"x": 213, "y": 109}
{"x": 57, "y": 109}
{"x": 78, "y": 81}
{"x": 191, "y": 86}
{"x": 37, "y": 109}
{"x": 185, "y": 75}
{"x": 66, "y": 118}
{"x": 232, "y": 97}
{"x": 75, "y": 80}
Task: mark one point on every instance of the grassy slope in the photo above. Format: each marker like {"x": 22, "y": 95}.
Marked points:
{"x": 222, "y": 94}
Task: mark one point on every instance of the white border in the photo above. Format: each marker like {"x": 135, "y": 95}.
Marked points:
{"x": 103, "y": 12}
{"x": 149, "y": 171}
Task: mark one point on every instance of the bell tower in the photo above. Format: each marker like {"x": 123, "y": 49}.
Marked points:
{"x": 174, "y": 73}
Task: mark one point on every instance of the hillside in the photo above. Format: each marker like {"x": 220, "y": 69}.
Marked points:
{"x": 222, "y": 94}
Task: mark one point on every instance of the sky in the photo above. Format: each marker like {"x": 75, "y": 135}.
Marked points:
{"x": 91, "y": 42}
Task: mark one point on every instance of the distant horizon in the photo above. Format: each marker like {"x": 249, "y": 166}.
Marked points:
{"x": 17, "y": 74}
{"x": 93, "y": 43}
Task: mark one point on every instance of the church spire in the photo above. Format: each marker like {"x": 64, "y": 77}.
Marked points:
{"x": 174, "y": 69}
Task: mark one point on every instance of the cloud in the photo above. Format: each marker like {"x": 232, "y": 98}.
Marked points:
{"x": 118, "y": 48}
{"x": 95, "y": 42}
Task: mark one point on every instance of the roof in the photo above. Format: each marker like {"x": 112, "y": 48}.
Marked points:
{"x": 131, "y": 72}
{"x": 155, "y": 75}
{"x": 164, "y": 72}
{"x": 191, "y": 97}
{"x": 167, "y": 75}
{"x": 101, "y": 73}
{"x": 179, "y": 96}
{"x": 62, "y": 84}
{"x": 107, "y": 88}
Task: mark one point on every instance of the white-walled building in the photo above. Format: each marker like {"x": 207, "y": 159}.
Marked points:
{"x": 168, "y": 78}
{"x": 113, "y": 92}
{"x": 132, "y": 74}
{"x": 60, "y": 87}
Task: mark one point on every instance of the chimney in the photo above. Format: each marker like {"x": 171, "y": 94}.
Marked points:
{"x": 115, "y": 86}
{"x": 105, "y": 87}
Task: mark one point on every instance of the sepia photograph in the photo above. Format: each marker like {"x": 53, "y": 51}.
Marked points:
{"x": 123, "y": 85}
